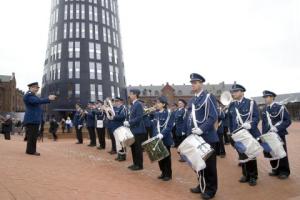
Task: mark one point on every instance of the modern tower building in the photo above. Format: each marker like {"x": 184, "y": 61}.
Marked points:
{"x": 84, "y": 53}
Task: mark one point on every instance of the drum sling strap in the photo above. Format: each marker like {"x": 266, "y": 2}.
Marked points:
{"x": 201, "y": 173}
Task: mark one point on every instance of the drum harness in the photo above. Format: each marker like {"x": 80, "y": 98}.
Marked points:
{"x": 269, "y": 116}
{"x": 195, "y": 122}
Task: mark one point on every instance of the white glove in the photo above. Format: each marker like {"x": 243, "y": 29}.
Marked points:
{"x": 183, "y": 133}
{"x": 160, "y": 136}
{"x": 197, "y": 131}
{"x": 274, "y": 129}
{"x": 246, "y": 125}
{"x": 79, "y": 126}
{"x": 126, "y": 124}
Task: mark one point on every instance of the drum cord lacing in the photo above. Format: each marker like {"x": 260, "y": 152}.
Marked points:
{"x": 202, "y": 178}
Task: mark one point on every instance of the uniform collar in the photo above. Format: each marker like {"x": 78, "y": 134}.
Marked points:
{"x": 198, "y": 94}
{"x": 134, "y": 101}
{"x": 270, "y": 106}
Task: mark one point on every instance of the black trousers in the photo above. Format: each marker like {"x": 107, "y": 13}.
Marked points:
{"x": 210, "y": 174}
{"x": 220, "y": 148}
{"x": 101, "y": 136}
{"x": 149, "y": 132}
{"x": 249, "y": 169}
{"x": 92, "y": 135}
{"x": 113, "y": 140}
{"x": 284, "y": 167}
{"x": 32, "y": 133}
{"x": 6, "y": 135}
{"x": 165, "y": 165}
{"x": 137, "y": 150}
{"x": 225, "y": 135}
{"x": 54, "y": 135}
{"x": 79, "y": 134}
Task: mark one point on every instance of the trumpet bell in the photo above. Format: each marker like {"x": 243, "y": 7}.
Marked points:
{"x": 226, "y": 98}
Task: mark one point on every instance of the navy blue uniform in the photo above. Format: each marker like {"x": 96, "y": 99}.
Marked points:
{"x": 179, "y": 116}
{"x": 116, "y": 122}
{"x": 165, "y": 125}
{"x": 249, "y": 169}
{"x": 100, "y": 118}
{"x": 138, "y": 129}
{"x": 91, "y": 124}
{"x": 78, "y": 121}
{"x": 206, "y": 116}
{"x": 220, "y": 148}
{"x": 33, "y": 119}
{"x": 280, "y": 118}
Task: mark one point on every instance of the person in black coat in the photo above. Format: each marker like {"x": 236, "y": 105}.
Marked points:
{"x": 7, "y": 127}
{"x": 53, "y": 127}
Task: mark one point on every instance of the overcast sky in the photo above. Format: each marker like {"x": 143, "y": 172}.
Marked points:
{"x": 255, "y": 42}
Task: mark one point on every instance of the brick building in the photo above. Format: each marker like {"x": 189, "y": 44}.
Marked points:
{"x": 174, "y": 92}
{"x": 11, "y": 98}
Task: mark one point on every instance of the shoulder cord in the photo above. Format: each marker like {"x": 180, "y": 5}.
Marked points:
{"x": 281, "y": 111}
{"x": 164, "y": 125}
{"x": 250, "y": 113}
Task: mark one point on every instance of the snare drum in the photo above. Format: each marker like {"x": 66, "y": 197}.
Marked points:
{"x": 251, "y": 145}
{"x": 124, "y": 137}
{"x": 155, "y": 149}
{"x": 195, "y": 151}
{"x": 275, "y": 143}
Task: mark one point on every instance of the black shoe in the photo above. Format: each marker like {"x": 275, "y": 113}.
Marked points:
{"x": 131, "y": 166}
{"x": 34, "y": 154}
{"x": 273, "y": 173}
{"x": 252, "y": 182}
{"x": 78, "y": 143}
{"x": 91, "y": 145}
{"x": 283, "y": 176}
{"x": 196, "y": 190}
{"x": 243, "y": 179}
{"x": 100, "y": 148}
{"x": 167, "y": 178}
{"x": 222, "y": 156}
{"x": 136, "y": 168}
{"x": 161, "y": 176}
{"x": 112, "y": 152}
{"x": 206, "y": 196}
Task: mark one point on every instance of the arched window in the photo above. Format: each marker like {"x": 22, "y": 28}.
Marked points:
{"x": 179, "y": 93}
{"x": 156, "y": 93}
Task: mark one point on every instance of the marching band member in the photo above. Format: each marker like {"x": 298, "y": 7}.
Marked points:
{"x": 78, "y": 122}
{"x": 280, "y": 121}
{"x": 118, "y": 120}
{"x": 206, "y": 116}
{"x": 243, "y": 113}
{"x": 90, "y": 123}
{"x": 100, "y": 128}
{"x": 220, "y": 148}
{"x": 162, "y": 129}
{"x": 179, "y": 117}
{"x": 137, "y": 128}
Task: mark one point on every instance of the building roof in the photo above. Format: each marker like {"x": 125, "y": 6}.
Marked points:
{"x": 5, "y": 78}
{"x": 281, "y": 98}
{"x": 180, "y": 90}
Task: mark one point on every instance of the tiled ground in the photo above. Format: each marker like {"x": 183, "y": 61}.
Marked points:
{"x": 69, "y": 171}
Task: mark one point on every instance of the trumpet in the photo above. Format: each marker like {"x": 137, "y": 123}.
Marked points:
{"x": 150, "y": 110}
{"x": 108, "y": 109}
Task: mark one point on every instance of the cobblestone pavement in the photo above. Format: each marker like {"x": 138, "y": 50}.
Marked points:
{"x": 66, "y": 170}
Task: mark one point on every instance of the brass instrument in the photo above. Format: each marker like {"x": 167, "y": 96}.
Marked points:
{"x": 150, "y": 110}
{"x": 226, "y": 99}
{"x": 108, "y": 109}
